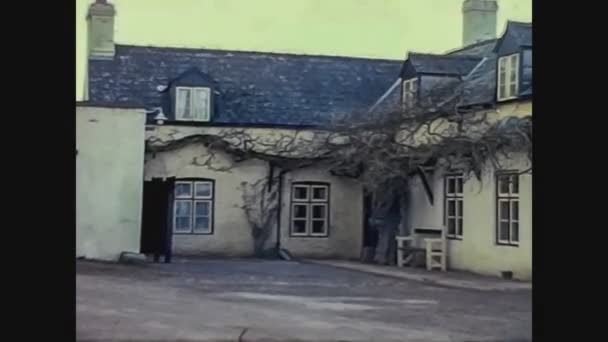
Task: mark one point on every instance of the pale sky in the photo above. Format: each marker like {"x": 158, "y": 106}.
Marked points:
{"x": 366, "y": 28}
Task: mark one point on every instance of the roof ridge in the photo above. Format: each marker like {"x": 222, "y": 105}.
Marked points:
{"x": 268, "y": 53}
{"x": 480, "y": 43}
{"x": 472, "y": 57}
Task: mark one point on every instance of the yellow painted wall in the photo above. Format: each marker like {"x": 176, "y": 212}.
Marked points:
{"x": 232, "y": 234}
{"x": 478, "y": 251}
{"x": 345, "y": 217}
{"x": 109, "y": 180}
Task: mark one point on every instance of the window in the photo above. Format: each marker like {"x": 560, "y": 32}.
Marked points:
{"x": 507, "y": 208}
{"x": 526, "y": 69}
{"x": 453, "y": 210}
{"x": 193, "y": 207}
{"x": 410, "y": 88}
{"x": 192, "y": 104}
{"x": 309, "y": 209}
{"x": 508, "y": 77}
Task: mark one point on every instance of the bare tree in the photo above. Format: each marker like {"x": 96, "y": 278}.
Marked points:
{"x": 260, "y": 203}
{"x": 376, "y": 147}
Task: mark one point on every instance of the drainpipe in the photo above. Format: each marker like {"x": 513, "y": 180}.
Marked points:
{"x": 280, "y": 201}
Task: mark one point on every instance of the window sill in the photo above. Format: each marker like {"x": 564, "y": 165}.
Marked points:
{"x": 191, "y": 233}
{"x": 505, "y": 99}
{"x": 504, "y": 244}
{"x": 191, "y": 120}
{"x": 457, "y": 238}
{"x": 308, "y": 236}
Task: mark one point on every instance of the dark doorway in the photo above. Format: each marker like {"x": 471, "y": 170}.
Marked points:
{"x": 370, "y": 233}
{"x": 156, "y": 218}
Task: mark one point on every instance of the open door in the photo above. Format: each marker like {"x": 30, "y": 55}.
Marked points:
{"x": 370, "y": 233}
{"x": 156, "y": 218}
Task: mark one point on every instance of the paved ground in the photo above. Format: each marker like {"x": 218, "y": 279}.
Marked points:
{"x": 454, "y": 279}
{"x": 213, "y": 300}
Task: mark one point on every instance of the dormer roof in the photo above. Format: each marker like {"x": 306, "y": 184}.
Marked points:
{"x": 452, "y": 65}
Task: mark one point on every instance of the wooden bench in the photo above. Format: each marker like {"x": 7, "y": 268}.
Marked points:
{"x": 430, "y": 241}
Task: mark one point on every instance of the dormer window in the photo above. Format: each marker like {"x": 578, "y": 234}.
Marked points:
{"x": 410, "y": 88}
{"x": 192, "y": 103}
{"x": 508, "y": 77}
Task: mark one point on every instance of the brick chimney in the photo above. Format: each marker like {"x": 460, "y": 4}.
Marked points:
{"x": 100, "y": 25}
{"x": 478, "y": 21}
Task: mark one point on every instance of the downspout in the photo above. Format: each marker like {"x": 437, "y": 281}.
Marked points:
{"x": 280, "y": 201}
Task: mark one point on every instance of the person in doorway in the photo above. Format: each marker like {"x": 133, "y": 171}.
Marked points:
{"x": 386, "y": 218}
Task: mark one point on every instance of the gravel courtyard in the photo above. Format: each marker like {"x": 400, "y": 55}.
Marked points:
{"x": 222, "y": 300}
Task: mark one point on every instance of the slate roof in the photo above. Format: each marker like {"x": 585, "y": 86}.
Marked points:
{"x": 480, "y": 86}
{"x": 479, "y": 49}
{"x": 476, "y": 63}
{"x": 522, "y": 32}
{"x": 254, "y": 87}
{"x": 443, "y": 64}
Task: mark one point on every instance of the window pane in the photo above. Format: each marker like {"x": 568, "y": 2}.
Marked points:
{"x": 183, "y": 189}
{"x": 451, "y": 185}
{"x": 513, "y": 89}
{"x": 459, "y": 185}
{"x": 201, "y": 224}
{"x": 200, "y": 104}
{"x": 202, "y": 189}
{"x": 182, "y": 106}
{"x": 318, "y": 211}
{"x": 501, "y": 91}
{"x": 299, "y": 211}
{"x": 319, "y": 193}
{"x": 504, "y": 210}
{"x": 515, "y": 232}
{"x": 513, "y": 75}
{"x": 459, "y": 212}
{"x": 182, "y": 224}
{"x": 299, "y": 226}
{"x": 459, "y": 230}
{"x": 451, "y": 226}
{"x": 503, "y": 231}
{"x": 451, "y": 208}
{"x": 515, "y": 184}
{"x": 514, "y": 63}
{"x": 183, "y": 208}
{"x": 318, "y": 227}
{"x": 201, "y": 209}
{"x": 300, "y": 193}
{"x": 503, "y": 184}
{"x": 515, "y": 210}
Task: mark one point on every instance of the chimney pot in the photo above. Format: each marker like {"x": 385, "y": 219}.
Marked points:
{"x": 100, "y": 18}
{"x": 479, "y": 20}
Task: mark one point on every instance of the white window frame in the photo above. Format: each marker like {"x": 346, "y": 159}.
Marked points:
{"x": 309, "y": 203}
{"x": 458, "y": 198}
{"x": 193, "y": 199}
{"x": 299, "y": 186}
{"x": 511, "y": 197}
{"x": 204, "y": 116}
{"x": 510, "y": 70}
{"x": 409, "y": 90}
